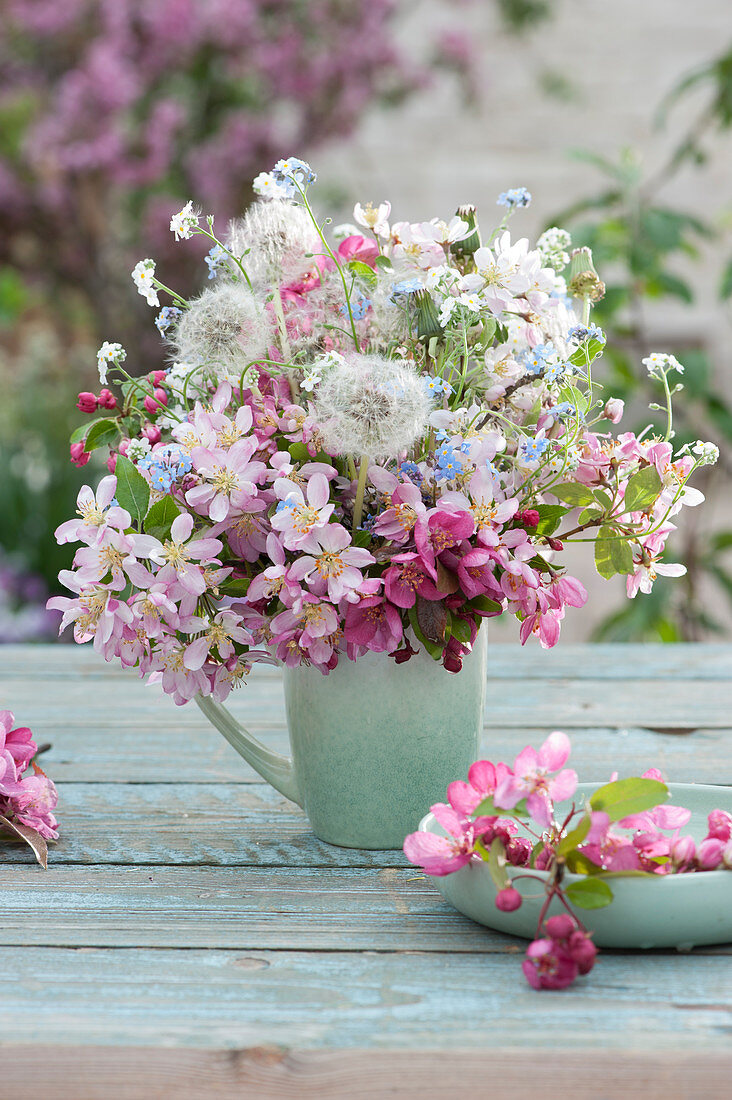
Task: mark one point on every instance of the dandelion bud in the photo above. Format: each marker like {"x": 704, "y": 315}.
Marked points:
{"x": 471, "y": 243}
{"x": 428, "y": 320}
{"x": 508, "y": 899}
{"x": 584, "y": 282}
{"x": 79, "y": 456}
{"x": 614, "y": 409}
{"x": 86, "y": 402}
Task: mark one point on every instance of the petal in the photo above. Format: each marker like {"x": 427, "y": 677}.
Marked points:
{"x": 181, "y": 527}
{"x": 555, "y": 751}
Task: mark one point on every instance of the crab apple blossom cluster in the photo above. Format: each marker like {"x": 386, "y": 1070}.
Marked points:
{"x": 515, "y": 819}
{"x": 27, "y": 796}
{"x": 364, "y": 442}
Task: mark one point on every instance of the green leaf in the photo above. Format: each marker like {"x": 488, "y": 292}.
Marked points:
{"x": 485, "y": 604}
{"x": 102, "y": 432}
{"x": 79, "y": 433}
{"x": 642, "y": 490}
{"x": 133, "y": 492}
{"x": 612, "y": 553}
{"x": 299, "y": 452}
{"x": 572, "y": 493}
{"x": 629, "y": 796}
{"x": 575, "y": 837}
{"x": 235, "y": 586}
{"x": 497, "y": 865}
{"x": 725, "y": 287}
{"x": 365, "y": 273}
{"x": 550, "y": 516}
{"x": 579, "y": 864}
{"x": 460, "y": 629}
{"x": 590, "y": 893}
{"x": 159, "y": 519}
{"x": 591, "y": 513}
{"x": 603, "y": 499}
{"x": 384, "y": 263}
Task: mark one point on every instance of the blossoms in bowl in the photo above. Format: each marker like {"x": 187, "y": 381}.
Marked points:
{"x": 27, "y": 801}
{"x": 522, "y": 847}
{"x": 366, "y": 440}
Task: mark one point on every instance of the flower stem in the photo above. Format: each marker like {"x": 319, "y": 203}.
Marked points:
{"x": 360, "y": 490}
{"x": 285, "y": 344}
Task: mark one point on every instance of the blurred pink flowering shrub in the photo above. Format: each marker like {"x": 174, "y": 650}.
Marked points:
{"x": 506, "y": 817}
{"x": 27, "y": 802}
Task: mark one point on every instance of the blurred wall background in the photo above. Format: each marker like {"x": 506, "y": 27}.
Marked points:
{"x": 112, "y": 114}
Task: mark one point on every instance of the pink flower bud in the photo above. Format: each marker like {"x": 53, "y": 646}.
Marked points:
{"x": 508, "y": 899}
{"x": 582, "y": 950}
{"x": 683, "y": 851}
{"x": 614, "y": 409}
{"x": 161, "y": 396}
{"x": 107, "y": 400}
{"x": 518, "y": 851}
{"x": 79, "y": 456}
{"x": 727, "y": 855}
{"x": 556, "y": 544}
{"x": 112, "y": 463}
{"x": 124, "y": 446}
{"x": 709, "y": 854}
{"x": 720, "y": 825}
{"x": 529, "y": 517}
{"x": 87, "y": 402}
{"x": 152, "y": 433}
{"x": 561, "y": 926}
{"x": 157, "y": 376}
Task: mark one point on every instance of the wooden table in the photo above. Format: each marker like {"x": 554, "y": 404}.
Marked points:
{"x": 191, "y": 938}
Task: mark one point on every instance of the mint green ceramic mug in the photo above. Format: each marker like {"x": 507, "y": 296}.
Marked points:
{"x": 374, "y": 743}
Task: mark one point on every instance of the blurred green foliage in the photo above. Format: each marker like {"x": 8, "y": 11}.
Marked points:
{"x": 643, "y": 246}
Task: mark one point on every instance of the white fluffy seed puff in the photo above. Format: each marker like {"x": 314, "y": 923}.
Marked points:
{"x": 224, "y": 329}
{"x": 275, "y": 242}
{"x": 369, "y": 405}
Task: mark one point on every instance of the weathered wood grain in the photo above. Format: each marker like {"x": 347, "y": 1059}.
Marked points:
{"x": 694, "y": 661}
{"x": 556, "y": 703}
{"x": 182, "y": 824}
{"x": 287, "y": 908}
{"x": 130, "y": 752}
{"x": 274, "y": 1072}
{"x": 340, "y": 1000}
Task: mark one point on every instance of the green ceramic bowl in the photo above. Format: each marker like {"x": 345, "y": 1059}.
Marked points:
{"x": 680, "y": 911}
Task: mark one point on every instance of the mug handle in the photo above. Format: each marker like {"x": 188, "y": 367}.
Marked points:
{"x": 277, "y": 769}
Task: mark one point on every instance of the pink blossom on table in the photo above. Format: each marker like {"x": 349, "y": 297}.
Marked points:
{"x": 231, "y": 479}
{"x": 298, "y": 515}
{"x": 184, "y": 554}
{"x": 329, "y": 554}
{"x": 17, "y": 742}
{"x": 532, "y": 779}
{"x": 34, "y": 803}
{"x": 443, "y": 855}
{"x": 374, "y": 622}
{"x": 406, "y": 578}
{"x": 548, "y": 966}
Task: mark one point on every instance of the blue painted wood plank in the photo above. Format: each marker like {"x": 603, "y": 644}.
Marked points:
{"x": 337, "y": 1000}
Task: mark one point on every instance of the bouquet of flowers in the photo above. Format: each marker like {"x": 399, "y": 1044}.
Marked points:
{"x": 370, "y": 437}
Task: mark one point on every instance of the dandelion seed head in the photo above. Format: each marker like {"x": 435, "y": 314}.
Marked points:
{"x": 273, "y": 240}
{"x": 224, "y": 329}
